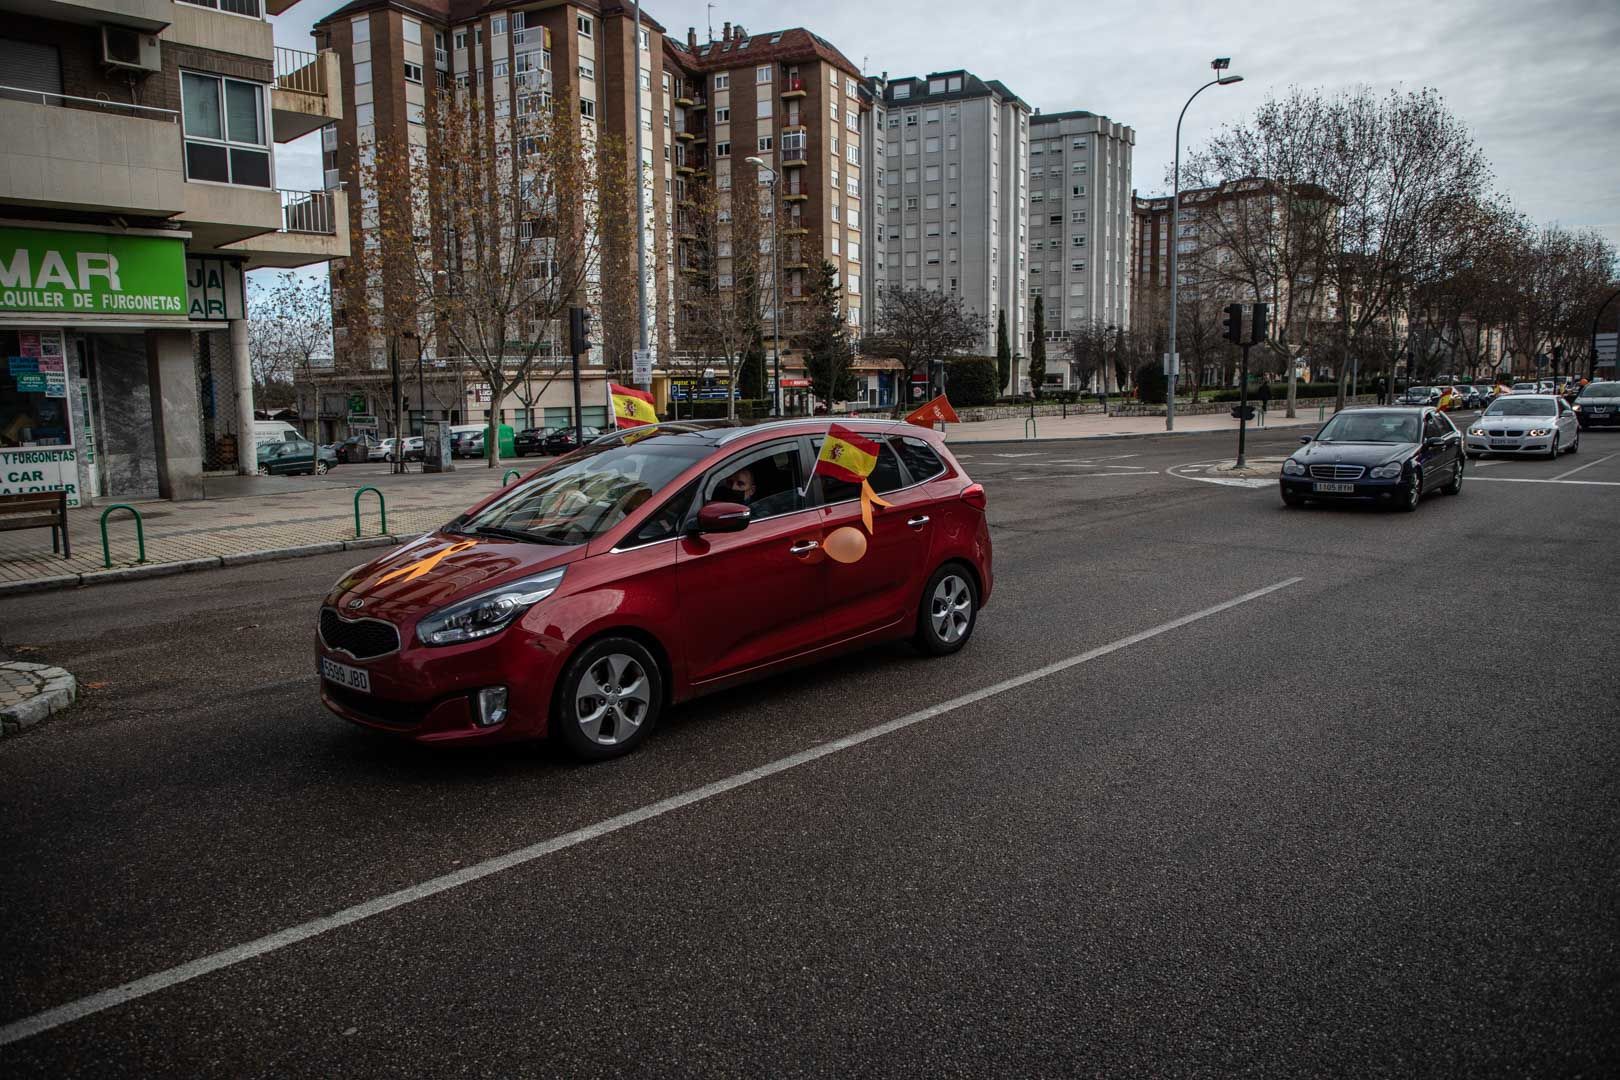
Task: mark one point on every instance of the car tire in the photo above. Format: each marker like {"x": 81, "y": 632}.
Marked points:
{"x": 597, "y": 714}
{"x": 948, "y": 611}
{"x": 264, "y": 470}
{"x": 1575, "y": 447}
{"x": 1413, "y": 494}
{"x": 1455, "y": 487}
{"x": 1553, "y": 451}
{"x": 320, "y": 468}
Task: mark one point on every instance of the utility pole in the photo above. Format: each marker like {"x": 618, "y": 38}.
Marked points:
{"x": 641, "y": 217}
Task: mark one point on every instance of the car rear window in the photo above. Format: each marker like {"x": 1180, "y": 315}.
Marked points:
{"x": 921, "y": 461}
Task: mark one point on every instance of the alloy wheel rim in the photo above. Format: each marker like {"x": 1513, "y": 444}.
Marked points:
{"x": 950, "y": 609}
{"x": 612, "y": 699}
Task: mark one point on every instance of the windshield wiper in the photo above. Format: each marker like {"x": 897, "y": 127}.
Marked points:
{"x": 516, "y": 534}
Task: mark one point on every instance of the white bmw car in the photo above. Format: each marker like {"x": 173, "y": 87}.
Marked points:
{"x": 1541, "y": 424}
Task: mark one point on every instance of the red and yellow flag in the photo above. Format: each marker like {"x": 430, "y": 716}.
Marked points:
{"x": 938, "y": 411}
{"x": 631, "y": 408}
{"x": 850, "y": 456}
{"x": 1447, "y": 399}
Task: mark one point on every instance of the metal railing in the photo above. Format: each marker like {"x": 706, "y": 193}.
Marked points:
{"x": 18, "y": 93}
{"x": 250, "y": 8}
{"x": 308, "y": 212}
{"x": 300, "y": 71}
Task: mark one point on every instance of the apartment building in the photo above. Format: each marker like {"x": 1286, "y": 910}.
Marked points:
{"x": 953, "y": 190}
{"x": 1080, "y": 228}
{"x": 792, "y": 100}
{"x": 139, "y": 182}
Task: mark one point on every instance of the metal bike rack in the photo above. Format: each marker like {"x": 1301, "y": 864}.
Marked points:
{"x": 140, "y": 534}
{"x": 382, "y": 510}
{"x": 1031, "y": 429}
{"x": 506, "y": 477}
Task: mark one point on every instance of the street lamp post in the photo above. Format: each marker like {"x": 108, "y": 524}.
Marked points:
{"x": 641, "y": 210}
{"x": 776, "y": 292}
{"x": 1173, "y": 364}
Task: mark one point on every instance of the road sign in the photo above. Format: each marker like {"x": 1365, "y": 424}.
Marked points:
{"x": 357, "y": 403}
{"x": 642, "y": 366}
{"x": 1172, "y": 364}
{"x": 1606, "y": 349}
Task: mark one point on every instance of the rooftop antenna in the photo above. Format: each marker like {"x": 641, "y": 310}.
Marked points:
{"x": 711, "y": 23}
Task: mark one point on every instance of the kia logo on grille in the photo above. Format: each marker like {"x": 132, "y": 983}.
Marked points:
{"x": 356, "y": 604}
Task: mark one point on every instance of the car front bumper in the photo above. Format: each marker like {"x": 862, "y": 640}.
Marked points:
{"x": 429, "y": 694}
{"x": 1611, "y": 418}
{"x": 1493, "y": 444}
{"x": 1363, "y": 490}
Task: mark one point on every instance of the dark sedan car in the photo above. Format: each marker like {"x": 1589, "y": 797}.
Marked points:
{"x": 1387, "y": 457}
{"x": 531, "y": 441}
{"x": 562, "y": 440}
{"x": 1598, "y": 404}
{"x": 292, "y": 456}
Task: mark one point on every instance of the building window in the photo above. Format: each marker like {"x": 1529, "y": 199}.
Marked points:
{"x": 931, "y": 146}
{"x": 500, "y": 69}
{"x": 722, "y": 149}
{"x": 1077, "y": 241}
{"x": 901, "y": 90}
{"x": 911, "y": 119}
{"x": 722, "y": 81}
{"x": 587, "y": 108}
{"x": 911, "y": 147}
{"x": 461, "y": 39}
{"x": 852, "y": 121}
{"x": 763, "y": 109}
{"x": 764, "y": 145}
{"x": 646, "y": 39}
{"x": 587, "y": 69}
{"x": 413, "y": 72}
{"x": 722, "y": 115}
{"x": 583, "y": 22}
{"x": 764, "y": 73}
{"x": 224, "y": 130}
{"x": 497, "y": 26}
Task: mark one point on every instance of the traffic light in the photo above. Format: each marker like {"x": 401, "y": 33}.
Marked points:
{"x": 1234, "y": 323}
{"x": 579, "y": 331}
{"x": 1258, "y": 325}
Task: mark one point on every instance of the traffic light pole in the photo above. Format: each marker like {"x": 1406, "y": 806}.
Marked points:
{"x": 1243, "y": 405}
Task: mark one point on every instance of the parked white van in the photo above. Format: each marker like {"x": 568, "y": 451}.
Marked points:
{"x": 274, "y": 431}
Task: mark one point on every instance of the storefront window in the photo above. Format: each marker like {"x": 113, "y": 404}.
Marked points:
{"x": 33, "y": 390}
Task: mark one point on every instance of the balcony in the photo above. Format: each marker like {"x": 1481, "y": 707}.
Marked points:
{"x": 794, "y": 157}
{"x": 794, "y": 192}
{"x": 793, "y": 88}
{"x": 220, "y": 26}
{"x": 308, "y": 93}
{"x": 88, "y": 154}
{"x": 314, "y": 228}
{"x": 698, "y": 102}
{"x": 150, "y": 15}
{"x": 219, "y": 215}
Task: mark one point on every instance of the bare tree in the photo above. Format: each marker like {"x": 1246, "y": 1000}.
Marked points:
{"x": 919, "y": 327}
{"x": 725, "y": 233}
{"x": 289, "y": 328}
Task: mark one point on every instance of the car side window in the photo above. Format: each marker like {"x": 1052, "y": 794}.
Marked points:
{"x": 886, "y": 476}
{"x": 920, "y": 460}
{"x": 667, "y": 520}
{"x": 767, "y": 481}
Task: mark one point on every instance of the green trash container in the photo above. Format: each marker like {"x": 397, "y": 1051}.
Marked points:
{"x": 504, "y": 434}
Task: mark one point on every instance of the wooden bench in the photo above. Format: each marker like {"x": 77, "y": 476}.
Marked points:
{"x": 38, "y": 511}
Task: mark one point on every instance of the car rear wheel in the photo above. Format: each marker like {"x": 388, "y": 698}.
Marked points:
{"x": 1575, "y": 447}
{"x": 1455, "y": 487}
{"x": 264, "y": 470}
{"x": 949, "y": 611}
{"x": 1413, "y": 493}
{"x": 320, "y": 468}
{"x": 608, "y": 699}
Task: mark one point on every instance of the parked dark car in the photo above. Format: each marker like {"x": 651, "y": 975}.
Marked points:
{"x": 1387, "y": 457}
{"x": 562, "y": 440}
{"x": 530, "y": 441}
{"x": 292, "y": 456}
{"x": 1419, "y": 395}
{"x": 355, "y": 450}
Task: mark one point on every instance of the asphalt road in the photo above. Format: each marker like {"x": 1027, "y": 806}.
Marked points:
{"x": 1362, "y": 824}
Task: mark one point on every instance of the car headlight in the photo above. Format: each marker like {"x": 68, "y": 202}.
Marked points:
{"x": 1388, "y": 471}
{"x": 1293, "y": 468}
{"x": 1476, "y": 431}
{"x": 1576, "y": 407}
{"x": 488, "y": 612}
{"x": 1536, "y": 433}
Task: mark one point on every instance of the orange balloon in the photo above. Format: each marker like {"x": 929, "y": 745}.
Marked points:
{"x": 846, "y": 545}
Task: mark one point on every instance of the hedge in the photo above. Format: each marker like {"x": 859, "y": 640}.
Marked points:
{"x": 971, "y": 380}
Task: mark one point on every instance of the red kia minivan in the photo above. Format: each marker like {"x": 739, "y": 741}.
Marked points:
{"x": 654, "y": 565}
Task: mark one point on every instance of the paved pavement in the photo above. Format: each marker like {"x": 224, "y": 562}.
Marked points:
{"x": 1363, "y": 823}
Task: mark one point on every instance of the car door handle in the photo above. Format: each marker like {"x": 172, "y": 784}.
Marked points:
{"x": 804, "y": 547}
{"x": 918, "y": 522}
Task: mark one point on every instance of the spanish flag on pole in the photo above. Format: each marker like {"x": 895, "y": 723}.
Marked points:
{"x": 1447, "y": 399}
{"x": 850, "y": 456}
{"x": 631, "y": 408}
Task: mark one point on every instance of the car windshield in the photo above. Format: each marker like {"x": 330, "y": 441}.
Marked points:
{"x": 587, "y": 493}
{"x": 1601, "y": 389}
{"x": 1510, "y": 406}
{"x": 1371, "y": 427}
{"x": 1417, "y": 390}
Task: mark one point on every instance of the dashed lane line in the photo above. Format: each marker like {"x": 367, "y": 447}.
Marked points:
{"x": 29, "y": 1026}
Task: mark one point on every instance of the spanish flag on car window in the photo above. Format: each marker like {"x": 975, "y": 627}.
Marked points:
{"x": 631, "y": 408}
{"x": 850, "y": 456}
{"x": 1447, "y": 399}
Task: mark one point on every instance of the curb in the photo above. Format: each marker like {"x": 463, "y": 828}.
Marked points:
{"x": 212, "y": 562}
{"x": 61, "y": 689}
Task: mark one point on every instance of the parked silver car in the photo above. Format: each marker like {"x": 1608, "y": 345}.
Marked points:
{"x": 1541, "y": 424}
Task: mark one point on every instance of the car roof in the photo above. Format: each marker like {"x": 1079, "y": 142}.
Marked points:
{"x": 725, "y": 432}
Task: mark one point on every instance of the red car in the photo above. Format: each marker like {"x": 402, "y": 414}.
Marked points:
{"x": 650, "y": 567}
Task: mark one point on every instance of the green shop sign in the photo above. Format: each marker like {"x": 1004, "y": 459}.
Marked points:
{"x": 91, "y": 273}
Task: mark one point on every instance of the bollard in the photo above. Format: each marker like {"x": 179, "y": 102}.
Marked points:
{"x": 1321, "y": 412}
{"x": 382, "y": 510}
{"x": 140, "y": 534}
{"x": 506, "y": 477}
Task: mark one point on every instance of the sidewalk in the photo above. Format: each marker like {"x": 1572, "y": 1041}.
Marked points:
{"x": 247, "y": 519}
{"x": 1095, "y": 425}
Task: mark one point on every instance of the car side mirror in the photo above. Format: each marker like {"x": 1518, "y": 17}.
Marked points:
{"x": 1434, "y": 442}
{"x": 723, "y": 517}
{"x": 1303, "y": 439}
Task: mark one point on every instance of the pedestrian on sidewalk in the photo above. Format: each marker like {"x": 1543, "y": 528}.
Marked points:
{"x": 1264, "y": 394}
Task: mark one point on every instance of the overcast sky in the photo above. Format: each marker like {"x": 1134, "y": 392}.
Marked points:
{"x": 1538, "y": 81}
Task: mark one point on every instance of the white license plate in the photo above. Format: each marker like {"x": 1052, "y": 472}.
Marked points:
{"x": 352, "y": 677}
{"x": 1333, "y": 489}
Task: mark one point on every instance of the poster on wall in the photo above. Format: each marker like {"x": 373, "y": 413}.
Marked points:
{"x": 29, "y": 342}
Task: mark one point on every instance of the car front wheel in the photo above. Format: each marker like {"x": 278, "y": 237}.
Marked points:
{"x": 608, "y": 699}
{"x": 320, "y": 468}
{"x": 1413, "y": 494}
{"x": 949, "y": 611}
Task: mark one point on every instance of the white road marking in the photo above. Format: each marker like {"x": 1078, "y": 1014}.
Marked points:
{"x": 18, "y": 1030}
{"x": 1588, "y": 465}
{"x": 1032, "y": 453}
{"x": 1084, "y": 475}
{"x": 1528, "y": 480}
